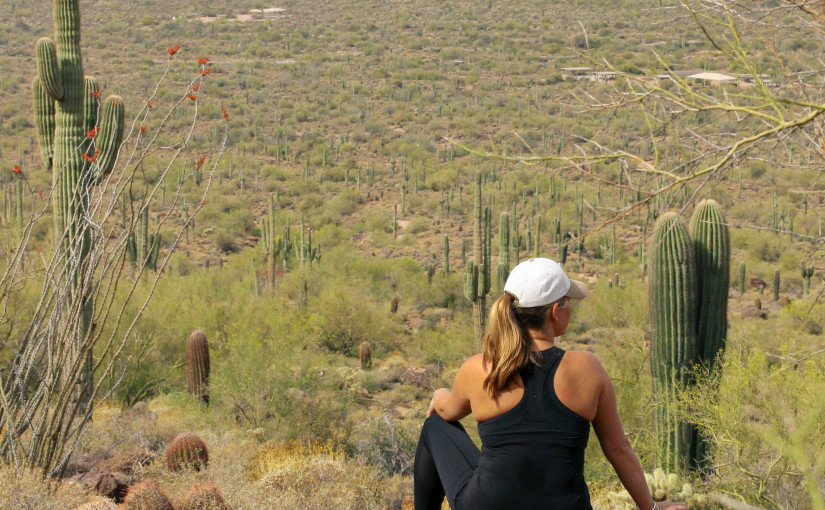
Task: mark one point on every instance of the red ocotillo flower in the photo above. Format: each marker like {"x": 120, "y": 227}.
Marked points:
{"x": 225, "y": 113}
{"x": 203, "y": 202}
{"x": 173, "y": 50}
{"x": 196, "y": 87}
{"x": 203, "y": 61}
{"x": 40, "y": 194}
{"x": 16, "y": 169}
{"x": 97, "y": 93}
{"x": 193, "y": 97}
{"x": 142, "y": 130}
{"x": 201, "y": 161}
{"x": 92, "y": 158}
{"x": 148, "y": 104}
{"x": 206, "y": 71}
{"x": 93, "y": 132}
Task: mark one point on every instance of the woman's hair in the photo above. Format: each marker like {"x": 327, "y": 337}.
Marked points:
{"x": 507, "y": 344}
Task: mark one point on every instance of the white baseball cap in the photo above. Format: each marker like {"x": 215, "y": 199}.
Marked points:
{"x": 540, "y": 281}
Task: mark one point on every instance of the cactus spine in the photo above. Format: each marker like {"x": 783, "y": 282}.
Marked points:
{"x": 503, "y": 268}
{"x": 197, "y": 365}
{"x": 477, "y": 275}
{"x": 65, "y": 108}
{"x": 672, "y": 293}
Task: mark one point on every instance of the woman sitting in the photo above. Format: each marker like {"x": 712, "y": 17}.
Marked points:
{"x": 534, "y": 404}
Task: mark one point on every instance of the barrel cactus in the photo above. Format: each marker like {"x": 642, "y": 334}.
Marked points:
{"x": 99, "y": 504}
{"x": 203, "y": 496}
{"x": 147, "y": 496}
{"x": 187, "y": 451}
{"x": 197, "y": 365}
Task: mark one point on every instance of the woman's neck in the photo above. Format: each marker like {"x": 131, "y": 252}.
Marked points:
{"x": 542, "y": 339}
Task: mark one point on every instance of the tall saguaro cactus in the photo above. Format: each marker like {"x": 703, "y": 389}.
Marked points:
{"x": 672, "y": 294}
{"x": 711, "y": 244}
{"x": 477, "y": 276}
{"x": 688, "y": 290}
{"x": 79, "y": 140}
{"x": 503, "y": 267}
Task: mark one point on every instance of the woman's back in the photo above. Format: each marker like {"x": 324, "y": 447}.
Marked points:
{"x": 533, "y": 452}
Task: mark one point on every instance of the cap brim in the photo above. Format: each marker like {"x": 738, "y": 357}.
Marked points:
{"x": 578, "y": 290}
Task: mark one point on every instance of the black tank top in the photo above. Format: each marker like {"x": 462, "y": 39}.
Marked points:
{"x": 532, "y": 456}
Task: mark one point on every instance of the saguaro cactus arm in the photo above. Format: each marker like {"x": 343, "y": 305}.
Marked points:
{"x": 111, "y": 135}
{"x": 44, "y": 121}
{"x": 48, "y": 69}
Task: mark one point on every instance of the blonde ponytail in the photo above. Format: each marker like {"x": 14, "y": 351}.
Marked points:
{"x": 507, "y": 344}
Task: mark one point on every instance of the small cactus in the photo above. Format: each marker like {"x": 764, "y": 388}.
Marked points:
{"x": 663, "y": 486}
{"x": 147, "y": 496}
{"x": 187, "y": 451}
{"x": 203, "y": 496}
{"x": 394, "y": 304}
{"x": 197, "y": 365}
{"x": 365, "y": 355}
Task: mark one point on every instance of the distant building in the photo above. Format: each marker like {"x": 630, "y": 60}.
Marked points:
{"x": 714, "y": 79}
{"x": 604, "y": 76}
{"x": 576, "y": 73}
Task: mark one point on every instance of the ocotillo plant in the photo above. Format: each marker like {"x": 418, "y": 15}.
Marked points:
{"x": 673, "y": 311}
{"x": 503, "y": 267}
{"x": 477, "y": 276}
{"x": 45, "y": 411}
{"x": 197, "y": 365}
{"x": 79, "y": 141}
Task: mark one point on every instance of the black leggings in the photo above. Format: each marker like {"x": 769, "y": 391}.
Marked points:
{"x": 445, "y": 460}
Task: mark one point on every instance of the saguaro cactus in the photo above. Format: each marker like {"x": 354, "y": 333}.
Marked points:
{"x": 79, "y": 141}
{"x": 197, "y": 365}
{"x": 446, "y": 255}
{"x": 689, "y": 284}
{"x": 477, "y": 276}
{"x": 673, "y": 311}
{"x": 711, "y": 245}
{"x": 503, "y": 267}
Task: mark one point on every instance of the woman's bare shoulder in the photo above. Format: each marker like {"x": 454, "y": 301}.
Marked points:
{"x": 585, "y": 364}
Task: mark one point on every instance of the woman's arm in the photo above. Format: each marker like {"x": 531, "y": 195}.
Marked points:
{"x": 454, "y": 405}
{"x": 608, "y": 427}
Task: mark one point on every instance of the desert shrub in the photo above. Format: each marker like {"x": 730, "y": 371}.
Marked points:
{"x": 386, "y": 444}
